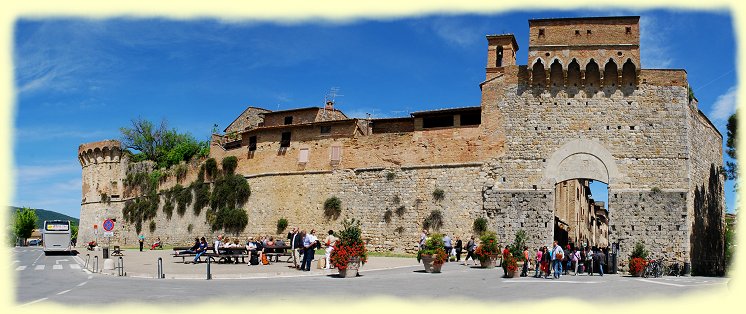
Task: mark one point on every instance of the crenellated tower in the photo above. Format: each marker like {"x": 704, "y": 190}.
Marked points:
{"x": 104, "y": 167}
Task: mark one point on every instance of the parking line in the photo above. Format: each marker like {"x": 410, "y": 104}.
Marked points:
{"x": 63, "y": 292}
{"x": 32, "y": 302}
{"x": 56, "y": 266}
{"x": 39, "y": 267}
{"x": 662, "y": 283}
{"x": 20, "y": 267}
{"x": 74, "y": 266}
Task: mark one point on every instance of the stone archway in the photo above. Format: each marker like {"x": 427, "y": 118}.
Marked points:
{"x": 570, "y": 171}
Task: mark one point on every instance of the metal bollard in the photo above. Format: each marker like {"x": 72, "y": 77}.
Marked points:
{"x": 160, "y": 269}
{"x": 95, "y": 264}
{"x": 87, "y": 259}
{"x": 121, "y": 266}
{"x": 209, "y": 276}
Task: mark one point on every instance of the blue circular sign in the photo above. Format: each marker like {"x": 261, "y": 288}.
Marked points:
{"x": 108, "y": 225}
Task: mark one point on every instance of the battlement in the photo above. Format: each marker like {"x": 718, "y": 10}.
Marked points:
{"x": 99, "y": 152}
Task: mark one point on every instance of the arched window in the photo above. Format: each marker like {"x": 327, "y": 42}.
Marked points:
{"x": 610, "y": 73}
{"x": 573, "y": 73}
{"x": 592, "y": 74}
{"x": 499, "y": 56}
{"x": 555, "y": 74}
{"x": 629, "y": 72}
{"x": 539, "y": 78}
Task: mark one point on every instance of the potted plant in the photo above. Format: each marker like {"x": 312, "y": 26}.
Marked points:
{"x": 487, "y": 251}
{"x": 349, "y": 250}
{"x": 432, "y": 254}
{"x": 511, "y": 264}
{"x": 516, "y": 248}
{"x": 638, "y": 260}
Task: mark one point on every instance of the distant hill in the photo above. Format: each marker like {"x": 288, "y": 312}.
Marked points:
{"x": 43, "y": 214}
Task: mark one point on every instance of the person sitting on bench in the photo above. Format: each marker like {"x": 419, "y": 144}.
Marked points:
{"x": 192, "y": 250}
{"x": 157, "y": 244}
{"x": 201, "y": 249}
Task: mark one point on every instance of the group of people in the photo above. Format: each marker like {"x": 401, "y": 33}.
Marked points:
{"x": 302, "y": 245}
{"x": 554, "y": 261}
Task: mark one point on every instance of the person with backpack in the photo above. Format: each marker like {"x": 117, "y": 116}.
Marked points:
{"x": 470, "y": 247}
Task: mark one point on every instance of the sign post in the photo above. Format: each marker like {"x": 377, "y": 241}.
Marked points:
{"x": 95, "y": 232}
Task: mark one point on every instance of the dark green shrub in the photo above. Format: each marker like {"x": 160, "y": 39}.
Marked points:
{"x": 433, "y": 221}
{"x": 201, "y": 173}
{"x": 190, "y": 227}
{"x": 439, "y": 194}
{"x": 231, "y": 220}
{"x": 152, "y": 226}
{"x": 211, "y": 168}
{"x": 180, "y": 172}
{"x": 400, "y": 210}
{"x": 387, "y": 216}
{"x": 230, "y": 191}
{"x": 639, "y": 251}
{"x": 201, "y": 196}
{"x": 516, "y": 248}
{"x": 282, "y": 224}
{"x": 229, "y": 164}
{"x": 168, "y": 208}
{"x": 332, "y": 208}
{"x": 390, "y": 176}
{"x": 480, "y": 225}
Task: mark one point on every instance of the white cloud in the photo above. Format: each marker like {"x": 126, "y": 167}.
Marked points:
{"x": 654, "y": 44}
{"x": 30, "y": 173}
{"x": 725, "y": 105}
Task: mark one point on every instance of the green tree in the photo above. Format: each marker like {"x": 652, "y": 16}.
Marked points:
{"x": 731, "y": 167}
{"x": 24, "y": 223}
{"x": 160, "y": 144}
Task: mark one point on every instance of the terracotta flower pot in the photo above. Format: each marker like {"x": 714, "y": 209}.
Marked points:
{"x": 352, "y": 268}
{"x": 510, "y": 274}
{"x": 429, "y": 262}
{"x": 489, "y": 263}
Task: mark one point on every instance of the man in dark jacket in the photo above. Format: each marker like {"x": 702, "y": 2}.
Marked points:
{"x": 601, "y": 260}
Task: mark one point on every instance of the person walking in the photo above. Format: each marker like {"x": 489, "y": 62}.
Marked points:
{"x": 576, "y": 260}
{"x": 546, "y": 261}
{"x": 448, "y": 246}
{"x": 504, "y": 261}
{"x": 141, "y": 239}
{"x": 470, "y": 247}
{"x": 557, "y": 256}
{"x": 296, "y": 241}
{"x": 601, "y": 259}
{"x": 458, "y": 248}
{"x": 591, "y": 257}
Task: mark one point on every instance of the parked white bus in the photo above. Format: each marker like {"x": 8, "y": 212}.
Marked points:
{"x": 56, "y": 236}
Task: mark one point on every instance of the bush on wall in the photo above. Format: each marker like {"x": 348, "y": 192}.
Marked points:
{"x": 332, "y": 208}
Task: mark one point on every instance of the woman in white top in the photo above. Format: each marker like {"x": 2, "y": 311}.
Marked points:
{"x": 329, "y": 242}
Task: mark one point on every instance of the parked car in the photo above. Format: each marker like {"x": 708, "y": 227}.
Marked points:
{"x": 34, "y": 242}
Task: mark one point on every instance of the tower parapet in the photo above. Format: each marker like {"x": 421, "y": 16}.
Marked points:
{"x": 99, "y": 152}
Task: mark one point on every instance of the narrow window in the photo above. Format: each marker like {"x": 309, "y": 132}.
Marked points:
{"x": 541, "y": 32}
{"x": 303, "y": 155}
{"x": 336, "y": 154}
{"x": 326, "y": 129}
{"x": 252, "y": 143}
{"x": 628, "y": 30}
{"x": 588, "y": 32}
{"x": 499, "y": 56}
{"x": 285, "y": 141}
{"x": 577, "y": 32}
{"x": 289, "y": 120}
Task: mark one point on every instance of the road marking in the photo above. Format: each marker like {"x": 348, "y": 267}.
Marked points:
{"x": 662, "y": 283}
{"x": 63, "y": 292}
{"x": 82, "y": 283}
{"x": 32, "y": 302}
{"x": 39, "y": 267}
{"x": 56, "y": 266}
{"x": 20, "y": 267}
{"x": 555, "y": 281}
{"x": 74, "y": 266}
{"x": 16, "y": 261}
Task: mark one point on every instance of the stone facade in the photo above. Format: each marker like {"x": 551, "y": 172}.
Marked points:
{"x": 537, "y": 125}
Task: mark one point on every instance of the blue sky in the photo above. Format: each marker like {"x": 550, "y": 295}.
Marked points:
{"x": 79, "y": 80}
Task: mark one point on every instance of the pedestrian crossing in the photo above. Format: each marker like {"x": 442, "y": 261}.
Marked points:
{"x": 43, "y": 267}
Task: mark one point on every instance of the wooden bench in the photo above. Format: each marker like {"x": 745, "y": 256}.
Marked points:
{"x": 277, "y": 252}
{"x": 228, "y": 254}
{"x": 185, "y": 255}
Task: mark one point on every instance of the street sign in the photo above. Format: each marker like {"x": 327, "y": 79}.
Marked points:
{"x": 108, "y": 225}
{"x": 108, "y": 234}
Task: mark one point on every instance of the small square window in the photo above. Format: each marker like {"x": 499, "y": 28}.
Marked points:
{"x": 336, "y": 154}
{"x": 628, "y": 30}
{"x": 577, "y": 32}
{"x": 326, "y": 129}
{"x": 303, "y": 155}
{"x": 541, "y": 32}
{"x": 588, "y": 32}
{"x": 252, "y": 143}
{"x": 289, "y": 120}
